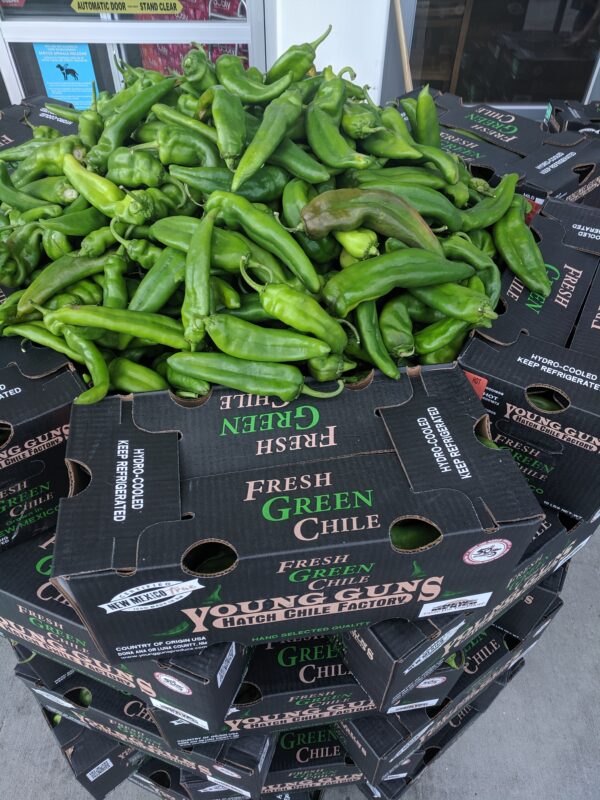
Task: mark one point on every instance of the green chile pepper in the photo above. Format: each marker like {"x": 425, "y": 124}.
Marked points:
{"x": 264, "y": 186}
{"x": 55, "y": 189}
{"x": 259, "y": 226}
{"x": 232, "y": 75}
{"x": 457, "y": 301}
{"x": 376, "y": 277}
{"x": 134, "y": 168}
{"x": 230, "y": 122}
{"x": 242, "y": 339}
{"x": 253, "y": 377}
{"x": 296, "y": 195}
{"x": 491, "y": 209}
{"x": 196, "y": 301}
{"x": 428, "y": 127}
{"x": 55, "y": 244}
{"x": 371, "y": 339}
{"x": 127, "y": 376}
{"x": 397, "y": 328}
{"x": 297, "y": 59}
{"x": 348, "y": 209}
{"x": 278, "y": 118}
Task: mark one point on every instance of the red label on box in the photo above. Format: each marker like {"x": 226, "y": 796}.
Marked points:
{"x": 477, "y": 382}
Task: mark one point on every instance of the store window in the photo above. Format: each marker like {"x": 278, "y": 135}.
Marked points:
{"x": 507, "y": 51}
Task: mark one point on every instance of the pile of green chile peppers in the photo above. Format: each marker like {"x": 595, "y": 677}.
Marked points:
{"x": 268, "y": 232}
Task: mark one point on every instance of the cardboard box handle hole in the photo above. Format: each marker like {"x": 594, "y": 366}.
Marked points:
{"x": 248, "y": 694}
{"x": 547, "y": 399}
{"x": 209, "y": 557}
{"x": 414, "y": 534}
{"x": 161, "y": 778}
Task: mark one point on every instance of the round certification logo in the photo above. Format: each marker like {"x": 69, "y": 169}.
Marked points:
{"x": 487, "y": 551}
{"x": 174, "y": 684}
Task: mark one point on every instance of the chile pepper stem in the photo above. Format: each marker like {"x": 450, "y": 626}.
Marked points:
{"x": 321, "y": 38}
{"x": 347, "y": 71}
{"x": 258, "y": 287}
{"x": 94, "y": 97}
{"x": 116, "y": 234}
{"x": 352, "y": 328}
{"x": 186, "y": 189}
{"x": 181, "y": 188}
{"x": 145, "y": 146}
{"x": 314, "y": 393}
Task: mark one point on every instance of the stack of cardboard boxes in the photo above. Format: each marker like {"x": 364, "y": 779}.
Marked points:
{"x": 239, "y": 596}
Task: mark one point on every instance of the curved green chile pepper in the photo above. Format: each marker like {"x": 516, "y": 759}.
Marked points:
{"x": 143, "y": 252}
{"x": 55, "y": 244}
{"x": 348, "y": 209}
{"x": 430, "y": 203}
{"x": 171, "y": 115}
{"x": 160, "y": 282}
{"x": 77, "y": 224}
{"x": 197, "y": 68}
{"x": 371, "y": 339}
{"x": 58, "y": 276}
{"x": 360, "y": 120}
{"x": 376, "y": 277}
{"x": 47, "y": 211}
{"x": 409, "y": 106}
{"x": 91, "y": 356}
{"x": 264, "y": 186}
{"x": 457, "y": 301}
{"x": 21, "y": 151}
{"x": 55, "y": 189}
{"x": 134, "y": 168}
{"x": 48, "y": 160}
{"x": 144, "y": 325}
{"x": 520, "y": 252}
{"x": 19, "y": 200}
{"x": 127, "y": 376}
{"x": 229, "y": 119}
{"x": 196, "y": 301}
{"x": 441, "y": 334}
{"x": 329, "y": 368}
{"x": 428, "y": 126}
{"x": 329, "y": 145}
{"x": 384, "y": 176}
{"x": 122, "y": 124}
{"x": 25, "y": 248}
{"x": 90, "y": 127}
{"x": 253, "y": 377}
{"x": 296, "y": 195}
{"x": 446, "y": 163}
{"x": 397, "y": 328}
{"x": 97, "y": 242}
{"x": 242, "y": 339}
{"x": 300, "y": 311}
{"x": 460, "y": 247}
{"x": 189, "y": 104}
{"x": 330, "y": 95}
{"x": 291, "y": 157}
{"x": 177, "y": 145}
{"x": 393, "y": 120}
{"x": 38, "y": 333}
{"x": 278, "y": 118}
{"x": 232, "y": 75}
{"x": 297, "y": 59}
{"x": 88, "y": 292}
{"x": 115, "y": 287}
{"x": 259, "y": 226}
{"x": 491, "y": 209}
{"x": 420, "y": 312}
{"x": 387, "y": 144}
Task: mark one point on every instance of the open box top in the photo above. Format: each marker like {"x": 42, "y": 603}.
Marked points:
{"x": 510, "y": 131}
{"x": 405, "y": 452}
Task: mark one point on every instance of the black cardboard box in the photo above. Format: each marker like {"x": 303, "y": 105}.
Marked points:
{"x": 37, "y": 387}
{"x": 98, "y": 763}
{"x": 405, "y": 651}
{"x": 241, "y": 764}
{"x": 378, "y": 743}
{"x": 309, "y": 758}
{"x": 288, "y": 684}
{"x": 557, "y": 450}
{"x": 198, "y": 687}
{"x": 398, "y": 454}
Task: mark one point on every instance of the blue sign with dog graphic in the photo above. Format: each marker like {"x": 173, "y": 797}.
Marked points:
{"x": 67, "y": 72}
